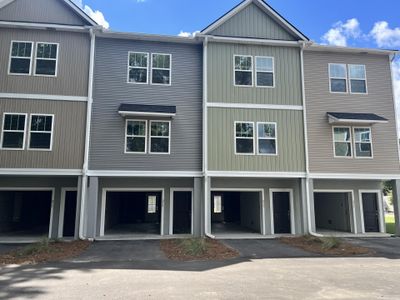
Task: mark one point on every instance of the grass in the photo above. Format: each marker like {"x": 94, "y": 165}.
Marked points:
{"x": 389, "y": 220}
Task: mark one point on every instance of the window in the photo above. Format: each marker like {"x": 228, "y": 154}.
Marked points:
{"x": 338, "y": 78}
{"x": 20, "y": 58}
{"x": 46, "y": 59}
{"x": 136, "y": 135}
{"x": 358, "y": 79}
{"x": 13, "y": 136}
{"x": 362, "y": 142}
{"x": 243, "y": 70}
{"x": 159, "y": 137}
{"x": 342, "y": 141}
{"x": 138, "y": 67}
{"x": 267, "y": 138}
{"x": 265, "y": 71}
{"x": 161, "y": 69}
{"x": 244, "y": 138}
{"x": 217, "y": 204}
{"x": 41, "y": 128}
{"x": 152, "y": 204}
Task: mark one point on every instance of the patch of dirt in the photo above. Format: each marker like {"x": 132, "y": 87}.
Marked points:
{"x": 44, "y": 252}
{"x": 319, "y": 245}
{"x": 187, "y": 250}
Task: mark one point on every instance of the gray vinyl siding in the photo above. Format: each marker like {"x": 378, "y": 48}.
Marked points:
{"x": 287, "y": 90}
{"x": 252, "y": 22}
{"x": 72, "y": 65}
{"x": 68, "y": 135}
{"x": 41, "y": 11}
{"x": 221, "y": 142}
{"x": 111, "y": 89}
{"x": 379, "y": 100}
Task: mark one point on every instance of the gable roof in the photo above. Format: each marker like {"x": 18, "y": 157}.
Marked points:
{"x": 266, "y": 9}
{"x": 69, "y": 3}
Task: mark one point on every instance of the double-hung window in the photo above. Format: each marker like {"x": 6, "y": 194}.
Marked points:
{"x": 265, "y": 71}
{"x": 160, "y": 137}
{"x": 136, "y": 136}
{"x": 358, "y": 79}
{"x": 338, "y": 78}
{"x": 138, "y": 67}
{"x": 46, "y": 59}
{"x": 243, "y": 69}
{"x": 20, "y": 58}
{"x": 151, "y": 204}
{"x": 342, "y": 142}
{"x": 362, "y": 142}
{"x": 267, "y": 139}
{"x": 13, "y": 135}
{"x": 161, "y": 69}
{"x": 41, "y": 132}
{"x": 244, "y": 138}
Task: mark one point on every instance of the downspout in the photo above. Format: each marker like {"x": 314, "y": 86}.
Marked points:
{"x": 303, "y": 91}
{"x": 87, "y": 135}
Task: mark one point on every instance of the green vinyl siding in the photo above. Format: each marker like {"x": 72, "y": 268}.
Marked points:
{"x": 221, "y": 145}
{"x": 287, "y": 90}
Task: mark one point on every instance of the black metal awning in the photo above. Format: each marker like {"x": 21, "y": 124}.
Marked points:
{"x": 128, "y": 110}
{"x": 356, "y": 118}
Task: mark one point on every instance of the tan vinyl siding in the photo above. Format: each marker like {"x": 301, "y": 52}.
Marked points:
{"x": 68, "y": 135}
{"x": 221, "y": 146}
{"x": 379, "y": 100}
{"x": 252, "y": 22}
{"x": 287, "y": 89}
{"x": 72, "y": 65}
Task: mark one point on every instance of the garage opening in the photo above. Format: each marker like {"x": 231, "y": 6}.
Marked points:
{"x": 25, "y": 214}
{"x": 332, "y": 211}
{"x": 133, "y": 213}
{"x": 235, "y": 212}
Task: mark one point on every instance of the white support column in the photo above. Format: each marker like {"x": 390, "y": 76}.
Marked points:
{"x": 396, "y": 205}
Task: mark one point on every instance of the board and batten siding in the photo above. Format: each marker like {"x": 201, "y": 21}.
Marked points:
{"x": 72, "y": 65}
{"x": 68, "y": 135}
{"x": 221, "y": 141}
{"x": 111, "y": 89}
{"x": 379, "y": 100}
{"x": 287, "y": 90}
{"x": 252, "y": 22}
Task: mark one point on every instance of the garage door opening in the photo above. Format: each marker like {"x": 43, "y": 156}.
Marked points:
{"x": 25, "y": 214}
{"x": 132, "y": 213}
{"x": 332, "y": 211}
{"x": 236, "y": 213}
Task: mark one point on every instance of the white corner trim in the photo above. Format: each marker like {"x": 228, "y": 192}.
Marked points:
{"x": 254, "y": 106}
{"x": 354, "y": 176}
{"x": 43, "y": 97}
{"x": 42, "y": 172}
{"x": 106, "y": 173}
{"x": 239, "y": 174}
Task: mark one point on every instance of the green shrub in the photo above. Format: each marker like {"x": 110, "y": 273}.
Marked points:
{"x": 194, "y": 247}
{"x": 330, "y": 242}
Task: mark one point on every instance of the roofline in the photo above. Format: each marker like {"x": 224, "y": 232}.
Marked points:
{"x": 329, "y": 48}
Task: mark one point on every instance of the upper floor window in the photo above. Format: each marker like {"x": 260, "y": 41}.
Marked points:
{"x": 264, "y": 71}
{"x": 161, "y": 69}
{"x": 138, "y": 67}
{"x": 244, "y": 138}
{"x": 343, "y": 78}
{"x": 160, "y": 137}
{"x": 342, "y": 141}
{"x": 243, "y": 70}
{"x": 20, "y": 58}
{"x": 358, "y": 79}
{"x": 267, "y": 138}
{"x": 136, "y": 136}
{"x": 46, "y": 59}
{"x": 41, "y": 132}
{"x": 362, "y": 142}
{"x": 338, "y": 78}
{"x": 13, "y": 134}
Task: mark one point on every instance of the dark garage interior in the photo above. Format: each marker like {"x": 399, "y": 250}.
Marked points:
{"x": 25, "y": 213}
{"x": 332, "y": 211}
{"x": 235, "y": 212}
{"x": 130, "y": 213}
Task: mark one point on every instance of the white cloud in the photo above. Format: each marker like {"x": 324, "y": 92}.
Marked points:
{"x": 97, "y": 16}
{"x": 188, "y": 34}
{"x": 339, "y": 34}
{"x": 385, "y": 36}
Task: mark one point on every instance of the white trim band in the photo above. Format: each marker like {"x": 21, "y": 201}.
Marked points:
{"x": 255, "y": 106}
{"x": 43, "y": 97}
{"x": 105, "y": 173}
{"x": 42, "y": 172}
{"x": 354, "y": 176}
{"x": 256, "y": 174}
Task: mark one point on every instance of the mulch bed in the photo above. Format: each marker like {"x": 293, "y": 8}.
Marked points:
{"x": 54, "y": 251}
{"x": 314, "y": 245}
{"x": 214, "y": 250}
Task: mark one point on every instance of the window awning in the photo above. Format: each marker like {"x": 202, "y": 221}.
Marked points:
{"x": 141, "y": 110}
{"x": 355, "y": 118}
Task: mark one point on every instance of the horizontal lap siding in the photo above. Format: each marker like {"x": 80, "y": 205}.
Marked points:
{"x": 379, "y": 101}
{"x": 111, "y": 89}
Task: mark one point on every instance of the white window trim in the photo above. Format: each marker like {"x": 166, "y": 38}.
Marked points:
{"x": 371, "y": 142}
{"x": 56, "y": 59}
{"x": 267, "y": 138}
{"x": 273, "y": 72}
{"x": 129, "y": 67}
{"x": 126, "y": 136}
{"x": 330, "y": 77}
{"x": 366, "y": 82}
{"x": 253, "y": 138}
{"x": 31, "y": 58}
{"x": 250, "y": 71}
{"x": 169, "y": 137}
{"x": 2, "y": 132}
{"x": 351, "y": 142}
{"x": 51, "y": 132}
{"x": 165, "y": 69}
